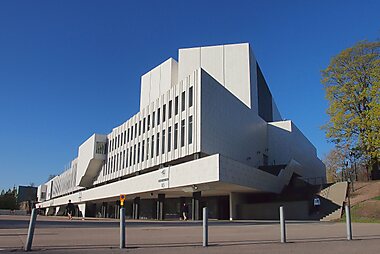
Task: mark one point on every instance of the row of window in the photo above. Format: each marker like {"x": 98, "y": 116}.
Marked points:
{"x": 146, "y": 122}
{"x": 143, "y": 150}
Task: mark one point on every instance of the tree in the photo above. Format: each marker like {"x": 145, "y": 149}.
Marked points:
{"x": 352, "y": 85}
{"x": 334, "y": 161}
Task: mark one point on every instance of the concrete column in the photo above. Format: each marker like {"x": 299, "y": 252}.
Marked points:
{"x": 161, "y": 207}
{"x": 104, "y": 210}
{"x": 136, "y": 208}
{"x": 235, "y": 199}
{"x": 195, "y": 205}
{"x": 56, "y": 210}
{"x": 82, "y": 209}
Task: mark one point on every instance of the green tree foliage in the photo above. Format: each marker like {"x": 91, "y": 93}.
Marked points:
{"x": 352, "y": 85}
{"x": 8, "y": 199}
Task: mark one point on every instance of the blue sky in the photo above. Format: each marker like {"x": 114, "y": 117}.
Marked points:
{"x": 72, "y": 68}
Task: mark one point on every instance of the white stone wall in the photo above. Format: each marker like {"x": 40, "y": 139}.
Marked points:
{"x": 229, "y": 127}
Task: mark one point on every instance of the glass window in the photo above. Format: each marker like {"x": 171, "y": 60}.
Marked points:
{"x": 147, "y": 148}
{"x": 163, "y": 142}
{"x": 134, "y": 154}
{"x": 136, "y": 130}
{"x": 118, "y": 140}
{"x": 139, "y": 127}
{"x": 122, "y": 138}
{"x": 138, "y": 153}
{"x": 158, "y": 116}
{"x": 126, "y": 158}
{"x": 182, "y": 132}
{"x": 164, "y": 113}
{"x": 130, "y": 157}
{"x": 176, "y": 105}
{"x": 125, "y": 138}
{"x": 148, "y": 122}
{"x": 170, "y": 109}
{"x": 131, "y": 132}
{"x": 152, "y": 148}
{"x": 128, "y": 135}
{"x": 158, "y": 144}
{"x": 169, "y": 139}
{"x": 123, "y": 159}
{"x": 190, "y": 97}
{"x": 142, "y": 150}
{"x": 153, "y": 118}
{"x": 190, "y": 130}
{"x": 175, "y": 135}
{"x": 144, "y": 125}
{"x": 183, "y": 102}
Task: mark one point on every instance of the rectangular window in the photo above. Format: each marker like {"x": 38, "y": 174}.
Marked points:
{"x": 139, "y": 127}
{"x": 175, "y": 135}
{"x": 163, "y": 142}
{"x": 170, "y": 109}
{"x": 190, "y": 130}
{"x": 130, "y": 156}
{"x": 158, "y": 144}
{"x": 119, "y": 166}
{"x": 125, "y": 138}
{"x": 128, "y": 135}
{"x": 153, "y": 118}
{"x": 118, "y": 140}
{"x": 164, "y": 113}
{"x": 134, "y": 154}
{"x": 126, "y": 159}
{"x": 136, "y": 130}
{"x": 182, "y": 133}
{"x": 109, "y": 146}
{"x": 147, "y": 148}
{"x": 190, "y": 97}
{"x": 158, "y": 116}
{"x": 108, "y": 166}
{"x": 138, "y": 153}
{"x": 142, "y": 150}
{"x": 144, "y": 125}
{"x": 148, "y": 122}
{"x": 123, "y": 159}
{"x": 176, "y": 105}
{"x": 152, "y": 148}
{"x": 183, "y": 101}
{"x": 111, "y": 164}
{"x": 122, "y": 138}
{"x": 169, "y": 139}
{"x": 131, "y": 132}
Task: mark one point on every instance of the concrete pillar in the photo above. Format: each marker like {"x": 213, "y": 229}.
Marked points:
{"x": 104, "y": 210}
{"x": 235, "y": 199}
{"x": 161, "y": 207}
{"x": 56, "y": 210}
{"x": 195, "y": 205}
{"x": 82, "y": 209}
{"x": 136, "y": 208}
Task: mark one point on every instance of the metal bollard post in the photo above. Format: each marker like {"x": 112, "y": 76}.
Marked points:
{"x": 205, "y": 227}
{"x": 282, "y": 225}
{"x": 122, "y": 228}
{"x": 32, "y": 224}
{"x": 348, "y": 223}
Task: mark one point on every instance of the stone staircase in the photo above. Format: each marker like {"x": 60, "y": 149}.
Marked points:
{"x": 333, "y": 198}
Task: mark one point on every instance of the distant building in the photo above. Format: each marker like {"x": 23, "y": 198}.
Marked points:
{"x": 26, "y": 197}
{"x": 208, "y": 133}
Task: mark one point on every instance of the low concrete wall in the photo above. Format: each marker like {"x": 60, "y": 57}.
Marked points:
{"x": 14, "y": 212}
{"x": 297, "y": 210}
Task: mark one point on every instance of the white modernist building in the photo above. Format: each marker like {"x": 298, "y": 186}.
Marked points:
{"x": 208, "y": 133}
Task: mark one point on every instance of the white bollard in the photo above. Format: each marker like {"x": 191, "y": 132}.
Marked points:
{"x": 205, "y": 227}
{"x": 122, "y": 228}
{"x": 32, "y": 224}
{"x": 282, "y": 225}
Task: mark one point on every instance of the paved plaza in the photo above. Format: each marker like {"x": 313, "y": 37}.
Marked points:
{"x": 58, "y": 235}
